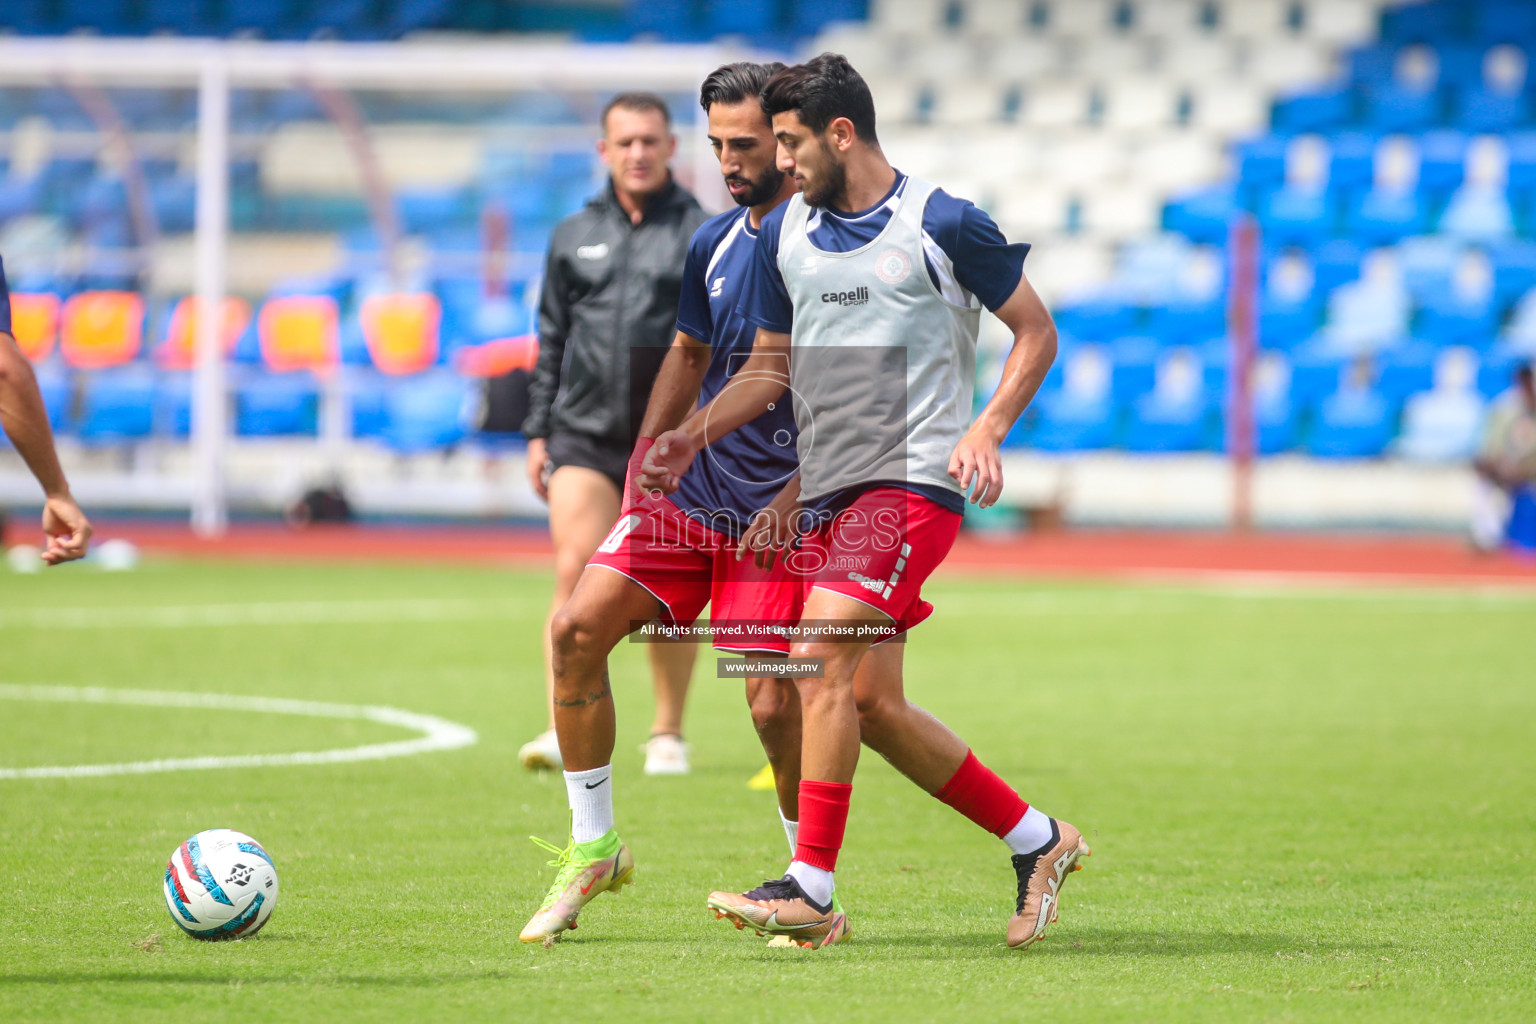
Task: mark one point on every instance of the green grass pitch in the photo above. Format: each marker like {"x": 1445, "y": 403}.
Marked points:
{"x": 1303, "y": 806}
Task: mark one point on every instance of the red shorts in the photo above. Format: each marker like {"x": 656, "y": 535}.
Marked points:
{"x": 686, "y": 565}
{"x": 879, "y": 551}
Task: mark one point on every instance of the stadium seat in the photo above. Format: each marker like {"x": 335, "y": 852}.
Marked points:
{"x": 1477, "y": 213}
{"x": 1391, "y": 107}
{"x": 1296, "y": 216}
{"x": 1420, "y": 22}
{"x": 101, "y": 328}
{"x": 425, "y": 413}
{"x": 1504, "y": 21}
{"x": 1204, "y": 215}
{"x": 1443, "y": 424}
{"x": 268, "y": 405}
{"x": 299, "y": 332}
{"x": 1385, "y": 216}
{"x": 1442, "y": 157}
{"x": 1487, "y": 110}
{"x": 58, "y": 393}
{"x": 1314, "y": 110}
{"x": 1405, "y": 369}
{"x": 1172, "y": 416}
{"x": 116, "y": 405}
{"x": 402, "y": 331}
{"x": 35, "y": 323}
{"x": 1351, "y": 424}
{"x": 179, "y": 349}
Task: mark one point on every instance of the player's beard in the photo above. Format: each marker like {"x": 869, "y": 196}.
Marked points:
{"x": 760, "y": 191}
{"x": 835, "y": 187}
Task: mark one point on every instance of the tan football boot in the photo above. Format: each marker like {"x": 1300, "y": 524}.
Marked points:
{"x": 1040, "y": 877}
{"x": 578, "y": 881}
{"x": 779, "y": 907}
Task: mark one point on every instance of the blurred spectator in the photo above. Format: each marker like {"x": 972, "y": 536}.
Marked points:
{"x": 1506, "y": 463}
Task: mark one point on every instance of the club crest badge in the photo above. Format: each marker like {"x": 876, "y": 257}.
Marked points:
{"x": 893, "y": 266}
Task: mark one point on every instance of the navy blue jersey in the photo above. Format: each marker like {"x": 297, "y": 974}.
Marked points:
{"x": 963, "y": 249}
{"x": 5, "y": 301}
{"x": 742, "y": 472}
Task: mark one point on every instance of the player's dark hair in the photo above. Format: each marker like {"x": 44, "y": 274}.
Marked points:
{"x": 821, "y": 90}
{"x": 733, "y": 83}
{"x": 637, "y": 101}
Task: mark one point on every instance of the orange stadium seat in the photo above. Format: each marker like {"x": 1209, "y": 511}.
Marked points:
{"x": 298, "y": 332}
{"x": 35, "y": 323}
{"x": 498, "y": 357}
{"x": 101, "y": 329}
{"x": 401, "y": 331}
{"x": 178, "y": 350}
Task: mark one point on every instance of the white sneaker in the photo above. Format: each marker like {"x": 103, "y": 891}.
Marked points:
{"x": 542, "y": 753}
{"x": 666, "y": 755}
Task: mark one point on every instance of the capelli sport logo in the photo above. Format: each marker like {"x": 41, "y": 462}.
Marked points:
{"x": 857, "y": 297}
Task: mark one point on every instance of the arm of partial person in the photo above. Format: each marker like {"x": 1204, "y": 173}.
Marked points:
{"x": 760, "y": 382}
{"x": 977, "y": 457}
{"x": 674, "y": 395}
{"x": 25, "y": 421}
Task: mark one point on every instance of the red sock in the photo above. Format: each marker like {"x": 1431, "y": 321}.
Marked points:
{"x": 977, "y": 792}
{"x": 823, "y": 817}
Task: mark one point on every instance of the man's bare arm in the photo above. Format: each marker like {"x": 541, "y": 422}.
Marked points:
{"x": 676, "y": 391}
{"x": 1034, "y": 349}
{"x": 25, "y": 421}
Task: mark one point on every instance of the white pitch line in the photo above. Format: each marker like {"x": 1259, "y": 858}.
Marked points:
{"x": 269, "y": 613}
{"x": 437, "y": 733}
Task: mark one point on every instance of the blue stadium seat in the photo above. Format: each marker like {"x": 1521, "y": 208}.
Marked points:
{"x": 31, "y": 17}
{"x": 58, "y": 397}
{"x": 1261, "y": 161}
{"x": 1351, "y": 424}
{"x": 1186, "y": 322}
{"x": 1404, "y": 370}
{"x": 751, "y": 18}
{"x": 1441, "y": 426}
{"x": 269, "y": 405}
{"x": 1293, "y": 216}
{"x": 366, "y": 390}
{"x": 184, "y": 17}
{"x": 1383, "y": 216}
{"x": 1397, "y": 108}
{"x": 108, "y": 17}
{"x": 1172, "y": 417}
{"x": 1284, "y": 325}
{"x": 1504, "y": 21}
{"x": 1451, "y": 320}
{"x": 1351, "y": 161}
{"x": 1095, "y": 319}
{"x": 1496, "y": 371}
{"x": 1335, "y": 263}
{"x": 1202, "y": 216}
{"x": 1080, "y": 413}
{"x": 1319, "y": 110}
{"x": 425, "y": 413}
{"x": 116, "y": 405}
{"x": 1522, "y": 162}
{"x": 1133, "y": 362}
{"x": 1421, "y": 22}
{"x": 173, "y": 405}
{"x": 1478, "y": 213}
{"x": 414, "y": 15}
{"x": 1442, "y": 161}
{"x": 1514, "y": 269}
{"x": 1484, "y": 110}
{"x": 1315, "y": 374}
{"x": 808, "y": 17}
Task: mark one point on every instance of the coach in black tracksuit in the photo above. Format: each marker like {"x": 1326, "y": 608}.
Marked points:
{"x": 606, "y": 318}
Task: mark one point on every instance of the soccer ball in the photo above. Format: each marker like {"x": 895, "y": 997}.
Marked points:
{"x": 220, "y": 884}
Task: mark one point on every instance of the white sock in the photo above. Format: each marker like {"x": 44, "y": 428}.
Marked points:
{"x": 791, "y": 831}
{"x": 816, "y": 882}
{"x": 1032, "y": 832}
{"x": 591, "y": 797}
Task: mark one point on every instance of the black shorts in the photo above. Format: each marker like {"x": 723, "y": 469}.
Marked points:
{"x": 586, "y": 450}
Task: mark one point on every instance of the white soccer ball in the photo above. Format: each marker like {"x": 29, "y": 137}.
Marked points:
{"x": 220, "y": 884}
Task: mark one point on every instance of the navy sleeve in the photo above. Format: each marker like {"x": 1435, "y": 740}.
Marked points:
{"x": 5, "y": 301}
{"x": 693, "y": 317}
{"x": 985, "y": 264}
{"x": 765, "y": 300}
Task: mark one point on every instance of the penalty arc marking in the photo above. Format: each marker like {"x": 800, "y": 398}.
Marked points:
{"x": 436, "y": 733}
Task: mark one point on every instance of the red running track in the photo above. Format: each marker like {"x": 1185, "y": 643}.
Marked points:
{"x": 1167, "y": 556}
